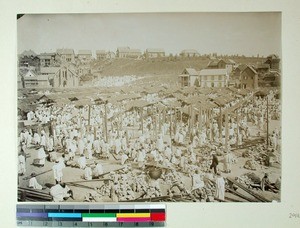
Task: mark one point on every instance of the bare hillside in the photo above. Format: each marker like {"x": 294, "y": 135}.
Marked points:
{"x": 163, "y": 66}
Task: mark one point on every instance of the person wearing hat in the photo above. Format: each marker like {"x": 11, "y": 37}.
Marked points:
{"x": 214, "y": 162}
{"x": 33, "y": 182}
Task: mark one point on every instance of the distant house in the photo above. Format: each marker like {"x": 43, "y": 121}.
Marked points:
{"x": 84, "y": 55}
{"x": 189, "y": 53}
{"x": 248, "y": 78}
{"x": 65, "y": 55}
{"x": 262, "y": 69}
{"x": 47, "y": 59}
{"x": 270, "y": 79}
{"x": 235, "y": 75}
{"x": 126, "y": 52}
{"x": 83, "y": 69}
{"x": 51, "y": 70}
{"x": 65, "y": 77}
{"x": 154, "y": 53}
{"x": 222, "y": 64}
{"x": 188, "y": 77}
{"x": 32, "y": 80}
{"x": 204, "y": 78}
{"x": 110, "y": 55}
{"x": 273, "y": 61}
{"x": 213, "y": 78}
{"x": 100, "y": 54}
{"x": 29, "y": 58}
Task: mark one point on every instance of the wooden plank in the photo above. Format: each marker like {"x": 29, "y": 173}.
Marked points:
{"x": 240, "y": 195}
{"x": 257, "y": 196}
{"x": 28, "y": 177}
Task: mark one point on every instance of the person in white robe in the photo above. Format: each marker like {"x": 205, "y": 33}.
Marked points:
{"x": 41, "y": 156}
{"x": 57, "y": 172}
{"x": 33, "y": 182}
{"x": 98, "y": 169}
{"x": 36, "y": 138}
{"x": 197, "y": 181}
{"x": 89, "y": 150}
{"x": 22, "y": 164}
{"x": 43, "y": 140}
{"x": 124, "y": 158}
{"x": 82, "y": 162}
{"x": 88, "y": 174}
{"x": 81, "y": 146}
{"x": 220, "y": 187}
{"x": 60, "y": 192}
{"x": 96, "y": 146}
{"x": 118, "y": 145}
{"x": 228, "y": 160}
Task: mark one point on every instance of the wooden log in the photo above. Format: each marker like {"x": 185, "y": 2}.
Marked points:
{"x": 86, "y": 181}
{"x": 231, "y": 199}
{"x": 80, "y": 186}
{"x": 240, "y": 195}
{"x": 27, "y": 178}
{"x": 257, "y": 196}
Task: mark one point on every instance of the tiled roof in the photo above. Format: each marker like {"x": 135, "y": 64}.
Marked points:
{"x": 212, "y": 72}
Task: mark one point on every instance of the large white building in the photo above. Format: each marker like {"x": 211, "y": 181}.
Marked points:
{"x": 204, "y": 78}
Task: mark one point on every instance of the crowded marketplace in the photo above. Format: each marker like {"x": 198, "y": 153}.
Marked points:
{"x": 141, "y": 142}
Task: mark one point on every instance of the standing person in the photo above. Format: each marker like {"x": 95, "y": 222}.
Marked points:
{"x": 57, "y": 172}
{"x": 214, "y": 163}
{"x": 220, "y": 187}
{"x": 22, "y": 164}
{"x": 81, "y": 146}
{"x": 228, "y": 159}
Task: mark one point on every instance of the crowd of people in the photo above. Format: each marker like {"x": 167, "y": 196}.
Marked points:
{"x": 190, "y": 148}
{"x": 111, "y": 81}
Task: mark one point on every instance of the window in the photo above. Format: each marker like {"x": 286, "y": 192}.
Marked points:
{"x": 47, "y": 62}
{"x": 220, "y": 77}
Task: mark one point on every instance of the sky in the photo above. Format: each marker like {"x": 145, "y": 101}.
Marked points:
{"x": 223, "y": 33}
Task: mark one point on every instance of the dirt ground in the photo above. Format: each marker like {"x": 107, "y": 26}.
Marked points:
{"x": 71, "y": 174}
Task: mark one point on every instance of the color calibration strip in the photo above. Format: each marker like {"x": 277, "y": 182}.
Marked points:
{"x": 105, "y": 215}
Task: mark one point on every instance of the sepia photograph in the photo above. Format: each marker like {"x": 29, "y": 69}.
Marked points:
{"x": 149, "y": 107}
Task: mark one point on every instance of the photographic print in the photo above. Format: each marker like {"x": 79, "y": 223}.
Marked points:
{"x": 149, "y": 107}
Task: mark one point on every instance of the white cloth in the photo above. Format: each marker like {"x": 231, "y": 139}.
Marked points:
{"x": 59, "y": 193}
{"x": 197, "y": 182}
{"x": 220, "y": 188}
{"x": 57, "y": 172}
{"x": 34, "y": 184}
{"x": 41, "y": 156}
{"x": 22, "y": 167}
{"x": 98, "y": 169}
{"x": 82, "y": 162}
{"x": 88, "y": 173}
